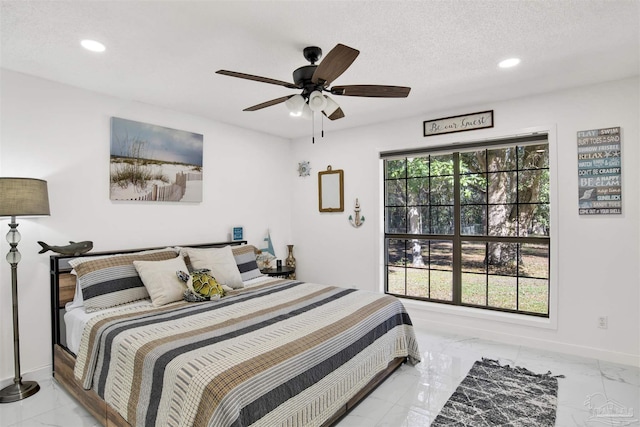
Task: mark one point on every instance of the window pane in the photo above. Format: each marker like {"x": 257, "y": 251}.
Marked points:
{"x": 396, "y": 280}
{"x": 395, "y": 168}
{"x": 474, "y": 289}
{"x": 418, "y": 282}
{"x": 418, "y": 220}
{"x": 534, "y": 260}
{"x": 473, "y": 189}
{"x": 474, "y": 161}
{"x": 534, "y": 220}
{"x": 502, "y": 220}
{"x": 442, "y": 285}
{"x": 442, "y": 219}
{"x": 418, "y": 253}
{"x": 395, "y": 192}
{"x": 441, "y": 253}
{"x": 533, "y": 295}
{"x": 442, "y": 190}
{"x": 502, "y": 292}
{"x": 502, "y": 258}
{"x": 473, "y": 220}
{"x": 396, "y": 254}
{"x": 418, "y": 167}
{"x": 441, "y": 165}
{"x": 533, "y": 186}
{"x": 418, "y": 191}
{"x": 502, "y": 187}
{"x": 533, "y": 156}
{"x": 474, "y": 257}
{"x": 396, "y": 220}
{"x": 501, "y": 159}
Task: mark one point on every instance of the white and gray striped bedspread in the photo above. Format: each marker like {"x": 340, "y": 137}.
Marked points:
{"x": 285, "y": 353}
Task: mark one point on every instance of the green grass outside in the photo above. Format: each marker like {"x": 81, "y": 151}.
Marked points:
{"x": 483, "y": 285}
{"x": 523, "y": 294}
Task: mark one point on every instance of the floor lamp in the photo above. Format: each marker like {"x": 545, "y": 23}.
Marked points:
{"x": 19, "y": 197}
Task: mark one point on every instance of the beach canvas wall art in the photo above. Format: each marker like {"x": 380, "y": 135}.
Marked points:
{"x": 154, "y": 163}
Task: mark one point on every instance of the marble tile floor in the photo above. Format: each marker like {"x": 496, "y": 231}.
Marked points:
{"x": 413, "y": 395}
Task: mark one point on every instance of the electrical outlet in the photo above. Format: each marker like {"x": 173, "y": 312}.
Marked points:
{"x": 603, "y": 322}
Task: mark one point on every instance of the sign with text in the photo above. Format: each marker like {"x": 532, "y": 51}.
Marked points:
{"x": 462, "y": 123}
{"x": 600, "y": 171}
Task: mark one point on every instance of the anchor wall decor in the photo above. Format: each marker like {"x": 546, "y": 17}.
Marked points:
{"x": 359, "y": 220}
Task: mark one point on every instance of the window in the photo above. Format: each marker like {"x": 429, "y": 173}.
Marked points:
{"x": 470, "y": 226}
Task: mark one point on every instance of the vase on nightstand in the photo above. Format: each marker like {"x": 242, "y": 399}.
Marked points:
{"x": 290, "y": 261}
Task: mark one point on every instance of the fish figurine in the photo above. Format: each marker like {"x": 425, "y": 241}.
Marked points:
{"x": 72, "y": 248}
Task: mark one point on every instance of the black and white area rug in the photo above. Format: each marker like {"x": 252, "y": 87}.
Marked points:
{"x": 495, "y": 395}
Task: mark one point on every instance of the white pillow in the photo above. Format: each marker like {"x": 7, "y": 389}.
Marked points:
{"x": 161, "y": 281}
{"x": 220, "y": 261}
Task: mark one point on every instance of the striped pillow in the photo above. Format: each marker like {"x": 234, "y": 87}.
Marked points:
{"x": 246, "y": 259}
{"x": 113, "y": 280}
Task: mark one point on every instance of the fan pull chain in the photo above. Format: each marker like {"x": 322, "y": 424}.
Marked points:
{"x": 322, "y": 125}
{"x": 313, "y": 127}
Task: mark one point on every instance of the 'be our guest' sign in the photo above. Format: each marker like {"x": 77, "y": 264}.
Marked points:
{"x": 461, "y": 123}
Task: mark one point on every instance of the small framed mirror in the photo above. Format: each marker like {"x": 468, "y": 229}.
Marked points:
{"x": 331, "y": 190}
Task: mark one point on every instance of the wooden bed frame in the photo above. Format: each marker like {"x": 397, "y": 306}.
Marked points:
{"x": 63, "y": 285}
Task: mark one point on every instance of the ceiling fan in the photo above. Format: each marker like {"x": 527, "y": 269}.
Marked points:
{"x": 314, "y": 79}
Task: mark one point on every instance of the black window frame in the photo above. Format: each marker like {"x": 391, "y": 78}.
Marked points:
{"x": 457, "y": 238}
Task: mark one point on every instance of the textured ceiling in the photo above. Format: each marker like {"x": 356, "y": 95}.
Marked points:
{"x": 166, "y": 52}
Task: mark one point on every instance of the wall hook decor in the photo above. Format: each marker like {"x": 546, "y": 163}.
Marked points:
{"x": 359, "y": 219}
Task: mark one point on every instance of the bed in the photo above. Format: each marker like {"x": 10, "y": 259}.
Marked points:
{"x": 271, "y": 351}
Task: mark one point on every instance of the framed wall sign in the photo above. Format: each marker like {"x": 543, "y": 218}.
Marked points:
{"x": 600, "y": 171}
{"x": 465, "y": 122}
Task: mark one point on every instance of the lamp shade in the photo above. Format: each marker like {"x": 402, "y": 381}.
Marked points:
{"x": 295, "y": 104}
{"x": 23, "y": 197}
{"x": 331, "y": 107}
{"x": 317, "y": 101}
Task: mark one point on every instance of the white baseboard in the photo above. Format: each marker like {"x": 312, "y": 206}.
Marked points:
{"x": 422, "y": 319}
{"x": 38, "y": 375}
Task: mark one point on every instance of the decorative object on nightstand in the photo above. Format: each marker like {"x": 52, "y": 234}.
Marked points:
{"x": 264, "y": 259}
{"x": 269, "y": 245}
{"x": 19, "y": 197}
{"x": 304, "y": 168}
{"x": 359, "y": 219}
{"x": 291, "y": 261}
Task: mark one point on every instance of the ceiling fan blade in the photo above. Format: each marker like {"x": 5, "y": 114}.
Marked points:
{"x": 334, "y": 64}
{"x": 257, "y": 78}
{"x": 377, "y": 91}
{"x": 268, "y": 103}
{"x": 338, "y": 114}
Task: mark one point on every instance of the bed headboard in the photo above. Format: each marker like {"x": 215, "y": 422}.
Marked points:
{"x": 63, "y": 283}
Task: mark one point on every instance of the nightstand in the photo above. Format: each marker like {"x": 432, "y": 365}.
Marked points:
{"x": 284, "y": 272}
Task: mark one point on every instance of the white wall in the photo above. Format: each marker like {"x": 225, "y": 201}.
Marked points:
{"x": 595, "y": 258}
{"x": 61, "y": 134}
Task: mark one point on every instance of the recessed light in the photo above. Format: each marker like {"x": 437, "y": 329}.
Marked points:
{"x": 93, "y": 45}
{"x": 508, "y": 63}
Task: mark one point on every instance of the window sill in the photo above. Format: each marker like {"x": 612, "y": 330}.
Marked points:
{"x": 478, "y": 313}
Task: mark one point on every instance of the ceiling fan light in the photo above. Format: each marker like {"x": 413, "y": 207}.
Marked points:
{"x": 295, "y": 105}
{"x": 317, "y": 101}
{"x": 307, "y": 113}
{"x": 331, "y": 107}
